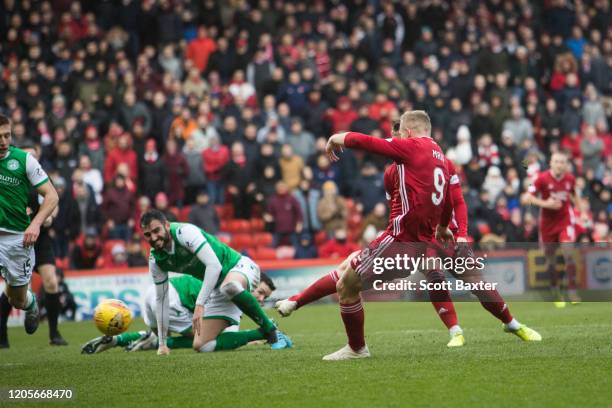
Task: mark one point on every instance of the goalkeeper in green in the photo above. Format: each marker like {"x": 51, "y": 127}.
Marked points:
{"x": 183, "y": 291}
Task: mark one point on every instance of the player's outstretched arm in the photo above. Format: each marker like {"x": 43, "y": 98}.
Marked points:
{"x": 162, "y": 305}
{"x": 191, "y": 238}
{"x": 392, "y": 148}
{"x": 213, "y": 271}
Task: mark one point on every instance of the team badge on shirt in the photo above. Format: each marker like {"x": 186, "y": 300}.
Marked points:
{"x": 12, "y": 165}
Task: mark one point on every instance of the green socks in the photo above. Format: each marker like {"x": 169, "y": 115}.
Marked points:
{"x": 233, "y": 340}
{"x": 250, "y": 307}
{"x": 179, "y": 342}
{"x": 31, "y": 301}
{"x": 124, "y": 339}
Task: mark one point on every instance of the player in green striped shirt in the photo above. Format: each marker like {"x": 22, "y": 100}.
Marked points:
{"x": 19, "y": 173}
{"x": 225, "y": 274}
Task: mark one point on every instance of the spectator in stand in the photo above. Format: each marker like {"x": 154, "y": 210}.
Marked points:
{"x": 123, "y": 153}
{"x": 200, "y": 49}
{"x": 153, "y": 170}
{"x": 591, "y": 149}
{"x": 376, "y": 218}
{"x": 306, "y": 248}
{"x": 117, "y": 208}
{"x": 64, "y": 228}
{"x": 324, "y": 171}
{"x": 135, "y": 255}
{"x": 369, "y": 189}
{"x": 520, "y": 127}
{"x": 551, "y": 123}
{"x": 177, "y": 171}
{"x": 295, "y": 94}
{"x": 284, "y": 212}
{"x": 291, "y": 166}
{"x": 302, "y": 141}
{"x": 183, "y": 126}
{"x": 340, "y": 119}
{"x": 265, "y": 184}
{"x": 133, "y": 110}
{"x": 493, "y": 184}
{"x": 241, "y": 187}
{"x": 337, "y": 247}
{"x": 85, "y": 199}
{"x": 488, "y": 153}
{"x": 92, "y": 177}
{"x": 203, "y": 214}
{"x": 308, "y": 198}
{"x": 119, "y": 257}
{"x": 196, "y": 180}
{"x": 331, "y": 209}
{"x": 86, "y": 252}
{"x": 162, "y": 204}
{"x": 593, "y": 111}
{"x": 142, "y": 206}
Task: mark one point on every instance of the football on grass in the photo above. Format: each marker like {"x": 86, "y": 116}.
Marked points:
{"x": 112, "y": 317}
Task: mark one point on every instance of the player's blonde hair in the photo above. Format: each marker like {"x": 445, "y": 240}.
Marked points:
{"x": 417, "y": 121}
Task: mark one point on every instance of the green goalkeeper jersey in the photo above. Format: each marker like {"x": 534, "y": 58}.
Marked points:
{"x": 188, "y": 289}
{"x": 19, "y": 172}
{"x": 187, "y": 241}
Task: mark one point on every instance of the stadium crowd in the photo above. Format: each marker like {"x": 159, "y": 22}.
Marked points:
{"x": 217, "y": 112}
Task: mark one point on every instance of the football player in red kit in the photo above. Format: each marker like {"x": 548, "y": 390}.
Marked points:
{"x": 552, "y": 191}
{"x": 440, "y": 298}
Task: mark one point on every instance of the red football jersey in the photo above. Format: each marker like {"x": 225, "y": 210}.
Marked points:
{"x": 546, "y": 186}
{"x": 420, "y": 202}
{"x": 458, "y": 224}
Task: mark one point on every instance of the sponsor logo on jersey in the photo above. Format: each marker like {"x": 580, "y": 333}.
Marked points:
{"x": 12, "y": 165}
{"x": 11, "y": 181}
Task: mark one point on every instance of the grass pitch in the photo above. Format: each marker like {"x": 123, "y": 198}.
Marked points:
{"x": 410, "y": 364}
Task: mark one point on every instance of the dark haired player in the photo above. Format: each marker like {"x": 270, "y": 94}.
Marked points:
{"x": 552, "y": 191}
{"x": 226, "y": 277}
{"x": 19, "y": 172}
{"x": 45, "y": 267}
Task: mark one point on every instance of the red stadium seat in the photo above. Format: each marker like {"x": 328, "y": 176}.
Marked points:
{"x": 241, "y": 242}
{"x": 184, "y": 213}
{"x": 225, "y": 238}
{"x": 223, "y": 225}
{"x": 239, "y": 227}
{"x": 174, "y": 211}
{"x": 257, "y": 224}
{"x": 263, "y": 239}
{"x": 264, "y": 254}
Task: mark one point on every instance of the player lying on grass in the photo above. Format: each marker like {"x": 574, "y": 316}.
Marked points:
{"x": 491, "y": 300}
{"x": 225, "y": 275}
{"x": 183, "y": 291}
{"x": 553, "y": 191}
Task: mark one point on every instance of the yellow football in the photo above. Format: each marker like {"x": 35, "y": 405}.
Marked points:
{"x": 112, "y": 317}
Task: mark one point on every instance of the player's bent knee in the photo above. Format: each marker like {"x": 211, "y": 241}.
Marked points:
{"x": 231, "y": 289}
{"x": 50, "y": 283}
{"x": 207, "y": 347}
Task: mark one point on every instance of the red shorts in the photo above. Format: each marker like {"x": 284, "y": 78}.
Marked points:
{"x": 368, "y": 263}
{"x": 565, "y": 235}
